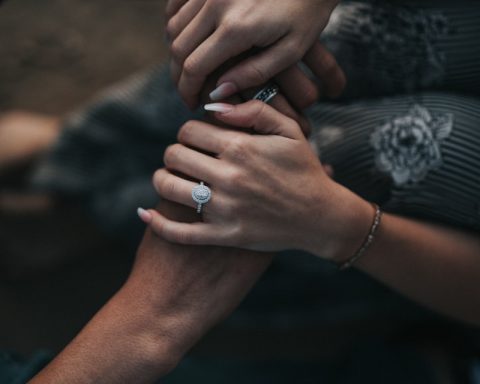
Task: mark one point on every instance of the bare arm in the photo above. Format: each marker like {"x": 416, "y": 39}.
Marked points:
{"x": 174, "y": 295}
{"x": 435, "y": 265}
{"x": 296, "y": 205}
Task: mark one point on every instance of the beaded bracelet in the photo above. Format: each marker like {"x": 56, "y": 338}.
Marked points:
{"x": 368, "y": 240}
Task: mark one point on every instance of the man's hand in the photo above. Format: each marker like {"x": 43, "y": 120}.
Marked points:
{"x": 192, "y": 288}
{"x": 173, "y": 296}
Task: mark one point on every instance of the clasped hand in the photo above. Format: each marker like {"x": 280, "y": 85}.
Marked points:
{"x": 271, "y": 35}
{"x": 269, "y": 190}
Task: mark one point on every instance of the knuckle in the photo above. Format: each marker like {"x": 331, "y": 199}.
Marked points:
{"x": 172, "y": 153}
{"x": 233, "y": 181}
{"x": 226, "y": 182}
{"x": 167, "y": 187}
{"x": 237, "y": 233}
{"x": 185, "y": 132}
{"x": 158, "y": 228}
{"x": 238, "y": 148}
{"x": 157, "y": 179}
{"x": 309, "y": 96}
{"x": 256, "y": 75}
{"x": 171, "y": 27}
{"x": 295, "y": 50}
{"x": 231, "y": 27}
{"x": 176, "y": 50}
{"x": 258, "y": 109}
{"x": 191, "y": 67}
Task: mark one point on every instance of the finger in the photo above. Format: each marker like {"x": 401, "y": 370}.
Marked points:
{"x": 173, "y": 6}
{"x": 177, "y": 23}
{"x": 282, "y": 105}
{"x": 260, "y": 68}
{"x": 197, "y": 31}
{"x": 300, "y": 91}
{"x": 258, "y": 116}
{"x": 325, "y": 67}
{"x": 179, "y": 190}
{"x": 186, "y": 233}
{"x": 212, "y": 53}
{"x": 206, "y": 137}
{"x": 192, "y": 163}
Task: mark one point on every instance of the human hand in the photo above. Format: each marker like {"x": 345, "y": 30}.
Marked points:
{"x": 279, "y": 102}
{"x": 204, "y": 34}
{"x": 191, "y": 288}
{"x": 173, "y": 296}
{"x": 269, "y": 190}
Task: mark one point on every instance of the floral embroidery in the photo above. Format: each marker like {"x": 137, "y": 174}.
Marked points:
{"x": 408, "y": 146}
{"x": 396, "y": 47}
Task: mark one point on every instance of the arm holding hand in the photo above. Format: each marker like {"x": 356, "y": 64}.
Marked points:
{"x": 173, "y": 296}
{"x": 270, "y": 193}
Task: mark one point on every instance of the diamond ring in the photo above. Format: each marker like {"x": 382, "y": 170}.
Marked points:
{"x": 201, "y": 194}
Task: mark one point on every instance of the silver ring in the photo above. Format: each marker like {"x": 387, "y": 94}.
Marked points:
{"x": 267, "y": 94}
{"x": 201, "y": 194}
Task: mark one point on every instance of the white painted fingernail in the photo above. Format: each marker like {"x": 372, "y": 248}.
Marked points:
{"x": 223, "y": 91}
{"x": 144, "y": 215}
{"x": 218, "y": 107}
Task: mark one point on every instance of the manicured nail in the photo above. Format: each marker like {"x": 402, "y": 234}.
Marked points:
{"x": 223, "y": 91}
{"x": 218, "y": 107}
{"x": 144, "y": 215}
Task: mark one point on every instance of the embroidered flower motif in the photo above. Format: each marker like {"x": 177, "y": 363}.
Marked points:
{"x": 395, "y": 47}
{"x": 408, "y": 146}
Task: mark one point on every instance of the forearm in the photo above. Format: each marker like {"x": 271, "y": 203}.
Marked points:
{"x": 173, "y": 296}
{"x": 432, "y": 264}
{"x": 121, "y": 344}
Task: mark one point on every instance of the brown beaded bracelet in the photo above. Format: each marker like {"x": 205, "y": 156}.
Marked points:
{"x": 367, "y": 242}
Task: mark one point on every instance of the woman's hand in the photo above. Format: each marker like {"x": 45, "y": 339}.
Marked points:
{"x": 205, "y": 34}
{"x": 269, "y": 190}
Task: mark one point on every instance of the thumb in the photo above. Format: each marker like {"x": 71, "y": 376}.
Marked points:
{"x": 258, "y": 116}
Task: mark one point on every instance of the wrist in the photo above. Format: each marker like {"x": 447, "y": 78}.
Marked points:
{"x": 345, "y": 225}
{"x": 149, "y": 333}
{"x": 165, "y": 331}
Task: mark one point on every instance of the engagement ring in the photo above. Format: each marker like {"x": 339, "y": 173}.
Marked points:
{"x": 201, "y": 194}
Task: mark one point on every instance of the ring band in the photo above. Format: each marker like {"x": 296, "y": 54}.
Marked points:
{"x": 201, "y": 195}
{"x": 267, "y": 93}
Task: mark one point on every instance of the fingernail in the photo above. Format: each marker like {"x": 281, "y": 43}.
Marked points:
{"x": 218, "y": 107}
{"x": 223, "y": 91}
{"x": 144, "y": 215}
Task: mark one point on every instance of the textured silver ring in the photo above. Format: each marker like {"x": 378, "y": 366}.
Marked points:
{"x": 268, "y": 93}
{"x": 201, "y": 195}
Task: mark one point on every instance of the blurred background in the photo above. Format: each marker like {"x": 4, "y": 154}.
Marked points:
{"x": 57, "y": 268}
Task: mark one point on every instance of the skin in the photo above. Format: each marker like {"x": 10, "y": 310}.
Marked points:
{"x": 296, "y": 205}
{"x": 177, "y": 292}
{"x": 240, "y": 204}
{"x": 205, "y": 34}
{"x": 173, "y": 296}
